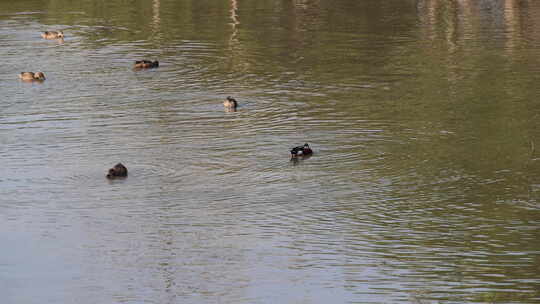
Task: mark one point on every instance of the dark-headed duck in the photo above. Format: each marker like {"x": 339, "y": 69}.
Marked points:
{"x": 301, "y": 151}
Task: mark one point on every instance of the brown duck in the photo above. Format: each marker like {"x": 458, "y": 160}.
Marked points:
{"x": 230, "y": 103}
{"x": 146, "y": 64}
{"x": 118, "y": 170}
{"x": 31, "y": 76}
{"x": 53, "y": 35}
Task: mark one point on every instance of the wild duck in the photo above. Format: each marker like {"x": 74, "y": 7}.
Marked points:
{"x": 31, "y": 76}
{"x": 301, "y": 151}
{"x": 53, "y": 35}
{"x": 146, "y": 64}
{"x": 230, "y": 103}
{"x": 118, "y": 170}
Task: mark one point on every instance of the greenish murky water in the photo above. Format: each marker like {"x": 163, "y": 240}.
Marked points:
{"x": 424, "y": 117}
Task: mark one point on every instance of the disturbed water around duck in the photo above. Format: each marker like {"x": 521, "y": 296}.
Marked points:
{"x": 423, "y": 187}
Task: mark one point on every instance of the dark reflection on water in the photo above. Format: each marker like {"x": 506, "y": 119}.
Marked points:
{"x": 423, "y": 188}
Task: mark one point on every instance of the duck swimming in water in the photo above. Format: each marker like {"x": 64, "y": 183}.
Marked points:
{"x": 230, "y": 103}
{"x": 146, "y": 64}
{"x": 31, "y": 76}
{"x": 118, "y": 170}
{"x": 53, "y": 35}
{"x": 301, "y": 151}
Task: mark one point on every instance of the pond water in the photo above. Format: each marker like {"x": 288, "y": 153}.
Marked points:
{"x": 424, "y": 186}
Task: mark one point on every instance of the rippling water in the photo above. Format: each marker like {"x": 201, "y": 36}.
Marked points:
{"x": 424, "y": 186}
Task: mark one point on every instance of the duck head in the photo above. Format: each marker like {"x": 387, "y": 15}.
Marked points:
{"x": 111, "y": 173}
{"x": 39, "y": 76}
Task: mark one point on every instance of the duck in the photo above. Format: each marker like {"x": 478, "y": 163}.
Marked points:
{"x": 230, "y": 103}
{"x": 53, "y": 35}
{"x": 31, "y": 76}
{"x": 301, "y": 151}
{"x": 146, "y": 64}
{"x": 118, "y": 170}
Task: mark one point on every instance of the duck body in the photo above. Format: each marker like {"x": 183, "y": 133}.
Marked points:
{"x": 230, "y": 103}
{"x": 52, "y": 35}
{"x": 31, "y": 76}
{"x": 118, "y": 170}
{"x": 301, "y": 151}
{"x": 146, "y": 64}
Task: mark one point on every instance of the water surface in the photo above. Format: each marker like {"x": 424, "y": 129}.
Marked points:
{"x": 424, "y": 186}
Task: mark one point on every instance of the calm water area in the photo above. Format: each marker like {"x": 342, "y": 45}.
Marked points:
{"x": 424, "y": 186}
